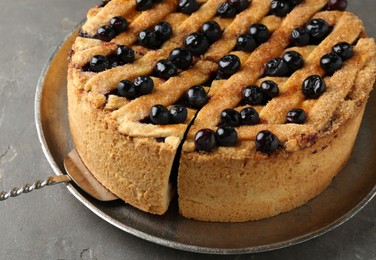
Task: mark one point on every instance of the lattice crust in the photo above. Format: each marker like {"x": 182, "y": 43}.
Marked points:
{"x": 344, "y": 86}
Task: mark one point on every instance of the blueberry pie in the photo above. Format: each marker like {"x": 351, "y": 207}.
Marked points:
{"x": 245, "y": 109}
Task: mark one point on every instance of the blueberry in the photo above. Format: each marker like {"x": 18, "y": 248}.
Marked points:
{"x": 294, "y": 60}
{"x": 159, "y": 115}
{"x": 104, "y": 2}
{"x": 240, "y": 5}
{"x": 249, "y": 116}
{"x": 246, "y": 43}
{"x": 165, "y": 69}
{"x": 163, "y": 31}
{"x": 269, "y": 88}
{"x": 226, "y": 10}
{"x": 266, "y": 142}
{"x": 339, "y": 5}
{"x": 230, "y": 117}
{"x": 144, "y": 85}
{"x": 344, "y": 50}
{"x": 181, "y": 58}
{"x": 296, "y": 2}
{"x": 281, "y": 7}
{"x": 300, "y": 37}
{"x": 197, "y": 97}
{"x": 252, "y": 95}
{"x": 127, "y": 89}
{"x": 277, "y": 68}
{"x": 99, "y": 63}
{"x": 313, "y": 87}
{"x": 119, "y": 23}
{"x": 125, "y": 54}
{"x": 226, "y": 136}
{"x": 196, "y": 43}
{"x": 318, "y": 29}
{"x": 106, "y": 33}
{"x": 229, "y": 64}
{"x": 188, "y": 6}
{"x": 178, "y": 114}
{"x": 259, "y": 32}
{"x": 148, "y": 38}
{"x": 211, "y": 30}
{"x": 142, "y": 5}
{"x": 205, "y": 140}
{"x": 331, "y": 63}
{"x": 296, "y": 116}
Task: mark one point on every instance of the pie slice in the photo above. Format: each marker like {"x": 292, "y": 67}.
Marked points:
{"x": 253, "y": 106}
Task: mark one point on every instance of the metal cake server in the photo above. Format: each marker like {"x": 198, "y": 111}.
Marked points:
{"x": 76, "y": 172}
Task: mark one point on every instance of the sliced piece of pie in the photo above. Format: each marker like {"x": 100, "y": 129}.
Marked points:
{"x": 254, "y": 106}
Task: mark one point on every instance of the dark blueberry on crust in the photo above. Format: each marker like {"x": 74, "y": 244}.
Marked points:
{"x": 226, "y": 10}
{"x": 318, "y": 29}
{"x": 296, "y": 116}
{"x": 212, "y": 31}
{"x": 104, "y": 2}
{"x": 266, "y": 142}
{"x": 339, "y": 5}
{"x": 144, "y": 85}
{"x": 127, "y": 89}
{"x": 252, "y": 95}
{"x": 159, "y": 115}
{"x": 296, "y": 2}
{"x": 344, "y": 50}
{"x": 119, "y": 23}
{"x": 142, "y": 5}
{"x": 106, "y": 33}
{"x": 331, "y": 63}
{"x": 240, "y": 5}
{"x": 300, "y": 37}
{"x": 229, "y": 64}
{"x": 294, "y": 60}
{"x": 230, "y": 117}
{"x": 181, "y": 58}
{"x": 125, "y": 54}
{"x": 226, "y": 136}
{"x": 165, "y": 69}
{"x": 259, "y": 32}
{"x": 196, "y": 43}
{"x": 178, "y": 114}
{"x": 281, "y": 7}
{"x": 277, "y": 68}
{"x": 188, "y": 6}
{"x": 163, "y": 30}
{"x": 148, "y": 38}
{"x": 249, "y": 116}
{"x": 205, "y": 140}
{"x": 197, "y": 97}
{"x": 246, "y": 43}
{"x": 99, "y": 63}
{"x": 269, "y": 88}
{"x": 313, "y": 87}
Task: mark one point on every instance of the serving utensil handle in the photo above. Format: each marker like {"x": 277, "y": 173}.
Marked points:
{"x": 52, "y": 180}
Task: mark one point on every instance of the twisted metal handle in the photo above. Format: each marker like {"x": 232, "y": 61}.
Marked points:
{"x": 52, "y": 180}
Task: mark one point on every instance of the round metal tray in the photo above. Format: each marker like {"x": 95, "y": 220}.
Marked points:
{"x": 348, "y": 193}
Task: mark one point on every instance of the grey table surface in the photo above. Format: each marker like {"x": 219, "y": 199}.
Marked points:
{"x": 52, "y": 224}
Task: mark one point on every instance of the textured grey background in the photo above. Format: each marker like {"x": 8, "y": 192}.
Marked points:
{"x": 52, "y": 224}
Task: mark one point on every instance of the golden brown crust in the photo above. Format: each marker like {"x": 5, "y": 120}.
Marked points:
{"x": 232, "y": 183}
{"x": 137, "y": 170}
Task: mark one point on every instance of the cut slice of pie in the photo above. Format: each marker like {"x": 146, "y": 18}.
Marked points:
{"x": 254, "y": 105}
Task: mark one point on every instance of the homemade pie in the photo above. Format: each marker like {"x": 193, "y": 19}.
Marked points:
{"x": 246, "y": 108}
